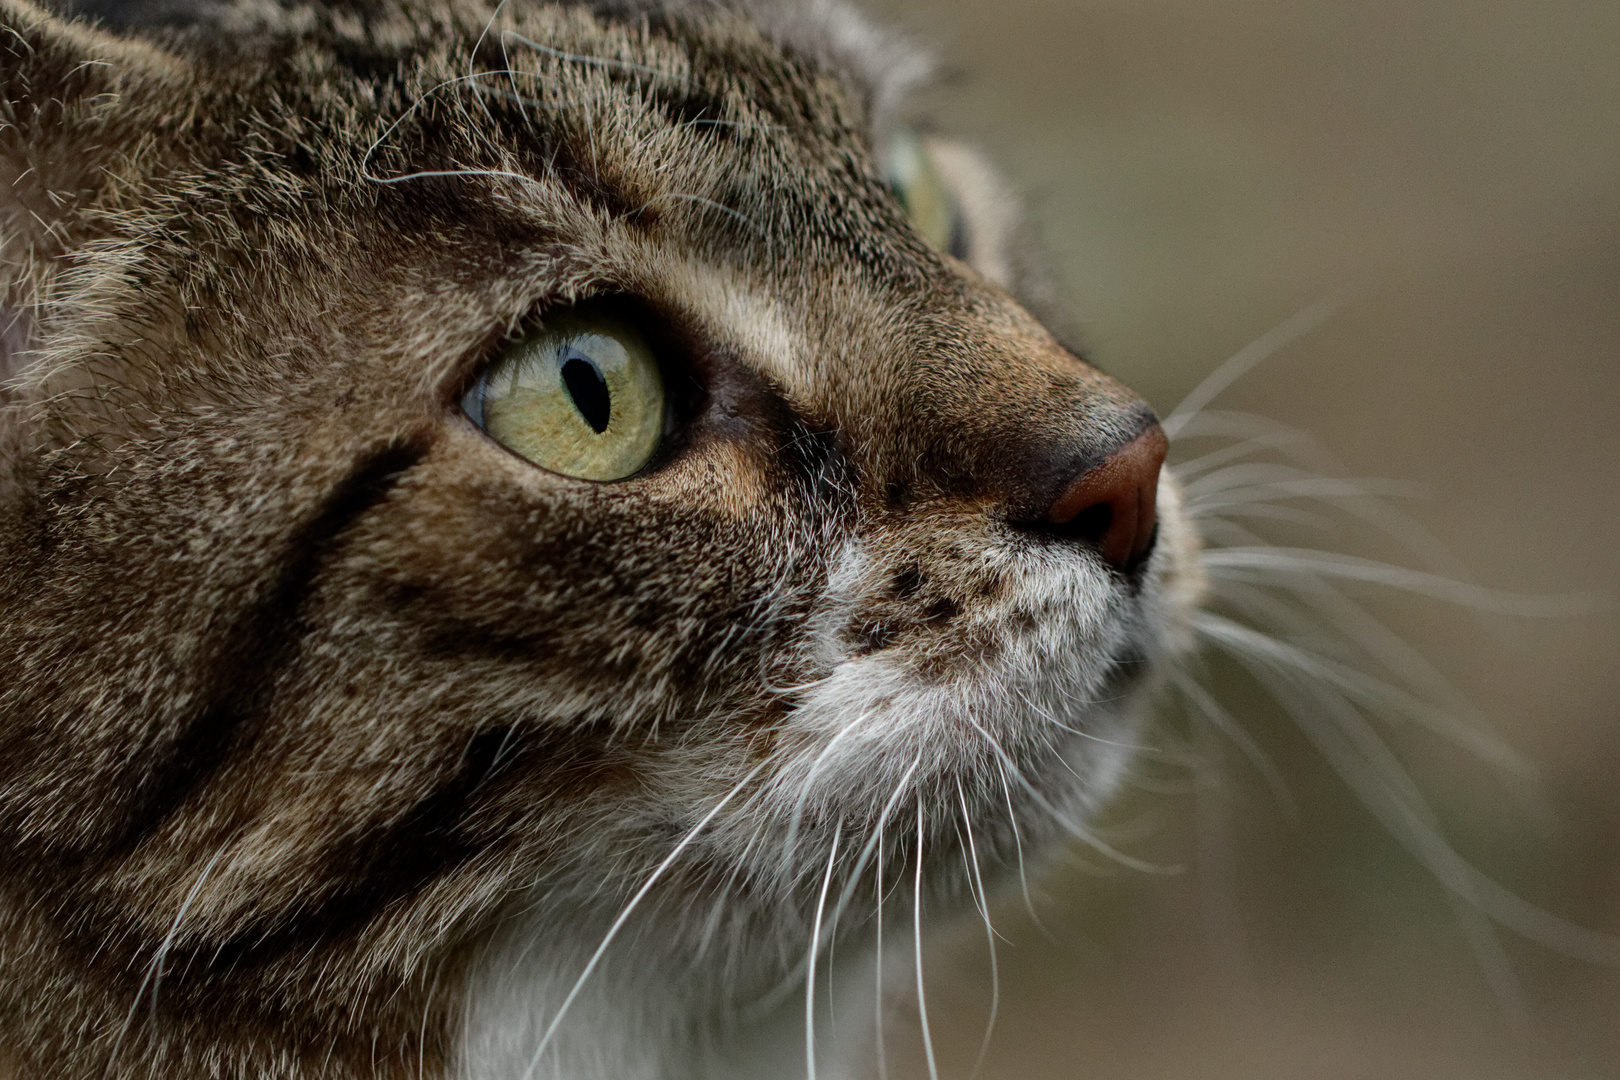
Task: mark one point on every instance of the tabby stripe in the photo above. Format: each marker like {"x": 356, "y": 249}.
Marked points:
{"x": 262, "y": 641}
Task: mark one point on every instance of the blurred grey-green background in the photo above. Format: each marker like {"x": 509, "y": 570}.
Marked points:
{"x": 1200, "y": 170}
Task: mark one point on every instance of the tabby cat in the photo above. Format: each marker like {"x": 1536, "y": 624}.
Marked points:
{"x": 522, "y": 528}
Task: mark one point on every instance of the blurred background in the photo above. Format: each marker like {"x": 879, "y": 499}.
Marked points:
{"x": 1200, "y": 170}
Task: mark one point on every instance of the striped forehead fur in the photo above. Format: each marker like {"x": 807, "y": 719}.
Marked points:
{"x": 833, "y": 33}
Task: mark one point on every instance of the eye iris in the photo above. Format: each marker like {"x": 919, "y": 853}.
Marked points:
{"x": 589, "y": 391}
{"x": 580, "y": 394}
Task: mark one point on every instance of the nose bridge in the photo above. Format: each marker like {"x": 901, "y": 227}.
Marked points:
{"x": 1026, "y": 415}
{"x": 1012, "y": 419}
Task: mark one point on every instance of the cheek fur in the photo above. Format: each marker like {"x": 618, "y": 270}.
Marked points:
{"x": 1035, "y": 679}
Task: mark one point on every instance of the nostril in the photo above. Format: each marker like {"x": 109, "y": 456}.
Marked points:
{"x": 1089, "y": 524}
{"x": 1112, "y": 504}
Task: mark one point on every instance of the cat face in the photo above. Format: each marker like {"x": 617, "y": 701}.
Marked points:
{"x": 313, "y": 667}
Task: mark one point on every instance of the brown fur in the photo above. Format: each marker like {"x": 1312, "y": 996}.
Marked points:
{"x": 304, "y": 678}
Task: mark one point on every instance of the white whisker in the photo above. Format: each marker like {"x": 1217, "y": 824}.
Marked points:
{"x": 1370, "y": 769}
{"x": 423, "y": 174}
{"x": 1234, "y": 491}
{"x": 1263, "y": 563}
{"x": 877, "y": 963}
{"x": 1063, "y": 821}
{"x": 1352, "y": 749}
{"x": 1455, "y": 721}
{"x": 796, "y": 819}
{"x": 810, "y": 963}
{"x": 1364, "y": 500}
{"x": 494, "y": 17}
{"x": 154, "y": 969}
{"x": 1246, "y": 358}
{"x": 1227, "y": 725}
{"x": 624, "y": 916}
{"x": 1213, "y": 527}
{"x": 916, "y": 937}
{"x": 1281, "y": 440}
{"x": 873, "y": 843}
{"x": 1018, "y": 845}
{"x": 597, "y": 61}
{"x": 982, "y": 902}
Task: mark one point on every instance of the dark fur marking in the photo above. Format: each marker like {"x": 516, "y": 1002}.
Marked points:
{"x": 261, "y": 643}
{"x": 583, "y": 179}
{"x": 908, "y": 581}
{"x": 382, "y": 865}
{"x": 444, "y": 637}
{"x": 694, "y": 110}
{"x": 817, "y": 461}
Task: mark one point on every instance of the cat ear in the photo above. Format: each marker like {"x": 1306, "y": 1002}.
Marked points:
{"x": 65, "y": 116}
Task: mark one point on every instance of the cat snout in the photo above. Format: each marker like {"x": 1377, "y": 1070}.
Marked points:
{"x": 1111, "y": 504}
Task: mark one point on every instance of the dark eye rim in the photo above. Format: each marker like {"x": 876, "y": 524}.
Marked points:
{"x": 685, "y": 395}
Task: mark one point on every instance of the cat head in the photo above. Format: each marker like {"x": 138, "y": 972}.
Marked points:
{"x": 326, "y": 642}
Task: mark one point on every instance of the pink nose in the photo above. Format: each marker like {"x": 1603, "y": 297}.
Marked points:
{"x": 1112, "y": 505}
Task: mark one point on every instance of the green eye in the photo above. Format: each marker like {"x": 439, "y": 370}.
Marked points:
{"x": 922, "y": 191}
{"x": 580, "y": 395}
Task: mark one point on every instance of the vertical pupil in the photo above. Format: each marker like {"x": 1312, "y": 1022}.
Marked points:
{"x": 589, "y": 391}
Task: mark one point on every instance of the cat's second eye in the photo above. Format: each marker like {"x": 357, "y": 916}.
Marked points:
{"x": 917, "y": 183}
{"x": 580, "y": 395}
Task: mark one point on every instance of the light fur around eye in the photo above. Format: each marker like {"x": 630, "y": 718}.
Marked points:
{"x": 581, "y": 395}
